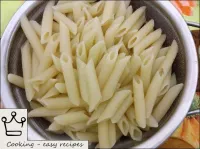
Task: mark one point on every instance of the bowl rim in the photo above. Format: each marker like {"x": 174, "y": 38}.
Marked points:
{"x": 188, "y": 91}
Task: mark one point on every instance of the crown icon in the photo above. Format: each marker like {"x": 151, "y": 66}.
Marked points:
{"x": 13, "y": 127}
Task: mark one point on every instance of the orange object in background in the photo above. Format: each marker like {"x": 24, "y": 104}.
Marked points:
{"x": 184, "y": 6}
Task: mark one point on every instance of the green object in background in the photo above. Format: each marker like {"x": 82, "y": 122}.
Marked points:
{"x": 195, "y": 17}
{"x": 8, "y": 8}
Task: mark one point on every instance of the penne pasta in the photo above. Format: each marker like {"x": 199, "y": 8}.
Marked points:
{"x": 151, "y": 122}
{"x": 56, "y": 62}
{"x": 47, "y": 23}
{"x": 135, "y": 132}
{"x": 130, "y": 21}
{"x": 123, "y": 108}
{"x": 123, "y": 125}
{"x": 91, "y": 137}
{"x": 16, "y": 80}
{"x": 69, "y": 23}
{"x": 86, "y": 14}
{"x": 44, "y": 88}
{"x": 121, "y": 11}
{"x": 71, "y": 118}
{"x": 107, "y": 68}
{"x": 130, "y": 114}
{"x": 96, "y": 52}
{"x": 103, "y": 136}
{"x": 65, "y": 45}
{"x": 32, "y": 37}
{"x": 55, "y": 127}
{"x": 56, "y": 27}
{"x": 51, "y": 93}
{"x": 112, "y": 31}
{"x": 26, "y": 67}
{"x": 78, "y": 126}
{"x": 146, "y": 70}
{"x": 37, "y": 27}
{"x": 77, "y": 12}
{"x": 44, "y": 112}
{"x": 113, "y": 105}
{"x": 129, "y": 11}
{"x": 144, "y": 31}
{"x": 108, "y": 11}
{"x": 164, "y": 105}
{"x": 158, "y": 62}
{"x": 163, "y": 52}
{"x": 97, "y": 8}
{"x": 157, "y": 80}
{"x": 69, "y": 76}
{"x": 81, "y": 67}
{"x": 173, "y": 80}
{"x": 81, "y": 52}
{"x": 139, "y": 102}
{"x": 35, "y": 64}
{"x": 61, "y": 88}
{"x": 111, "y": 84}
{"x": 57, "y": 103}
{"x": 147, "y": 41}
{"x": 93, "y": 86}
{"x": 35, "y": 104}
{"x": 112, "y": 134}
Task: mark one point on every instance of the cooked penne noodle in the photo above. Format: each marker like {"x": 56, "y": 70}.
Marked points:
{"x": 26, "y": 67}
{"x": 57, "y": 103}
{"x": 100, "y": 65}
{"x": 157, "y": 80}
{"x": 97, "y": 8}
{"x": 125, "y": 74}
{"x": 44, "y": 112}
{"x": 112, "y": 134}
{"x": 65, "y": 45}
{"x": 113, "y": 105}
{"x": 163, "y": 52}
{"x": 71, "y": 118}
{"x": 122, "y": 109}
{"x": 69, "y": 76}
{"x": 69, "y": 23}
{"x": 80, "y": 24}
{"x": 78, "y": 126}
{"x": 64, "y": 7}
{"x": 32, "y": 37}
{"x": 130, "y": 21}
{"x": 107, "y": 68}
{"x": 81, "y": 67}
{"x": 96, "y": 114}
{"x": 144, "y": 31}
{"x": 165, "y": 85}
{"x": 135, "y": 132}
{"x": 130, "y": 114}
{"x": 99, "y": 31}
{"x": 139, "y": 102}
{"x": 36, "y": 26}
{"x": 96, "y": 52}
{"x": 81, "y": 52}
{"x": 61, "y": 88}
{"x": 151, "y": 122}
{"x": 91, "y": 137}
{"x": 77, "y": 12}
{"x": 173, "y": 80}
{"x": 93, "y": 86}
{"x": 34, "y": 104}
{"x": 123, "y": 125}
{"x": 16, "y": 80}
{"x": 89, "y": 39}
{"x": 103, "y": 134}
{"x": 121, "y": 11}
{"x": 43, "y": 77}
{"x": 147, "y": 52}
{"x": 56, "y": 62}
{"x": 158, "y": 62}
{"x": 129, "y": 11}
{"x": 147, "y": 41}
{"x": 107, "y": 15}
{"x": 47, "y": 23}
{"x": 56, "y": 27}
{"x": 146, "y": 69}
{"x": 164, "y": 105}
{"x": 51, "y": 47}
{"x": 55, "y": 127}
{"x": 111, "y": 84}
{"x": 35, "y": 64}
{"x": 51, "y": 92}
{"x": 44, "y": 88}
{"x": 112, "y": 31}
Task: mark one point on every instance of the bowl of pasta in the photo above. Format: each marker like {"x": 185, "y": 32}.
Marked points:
{"x": 119, "y": 74}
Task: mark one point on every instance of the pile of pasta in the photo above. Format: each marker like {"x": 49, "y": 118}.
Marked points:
{"x": 97, "y": 70}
